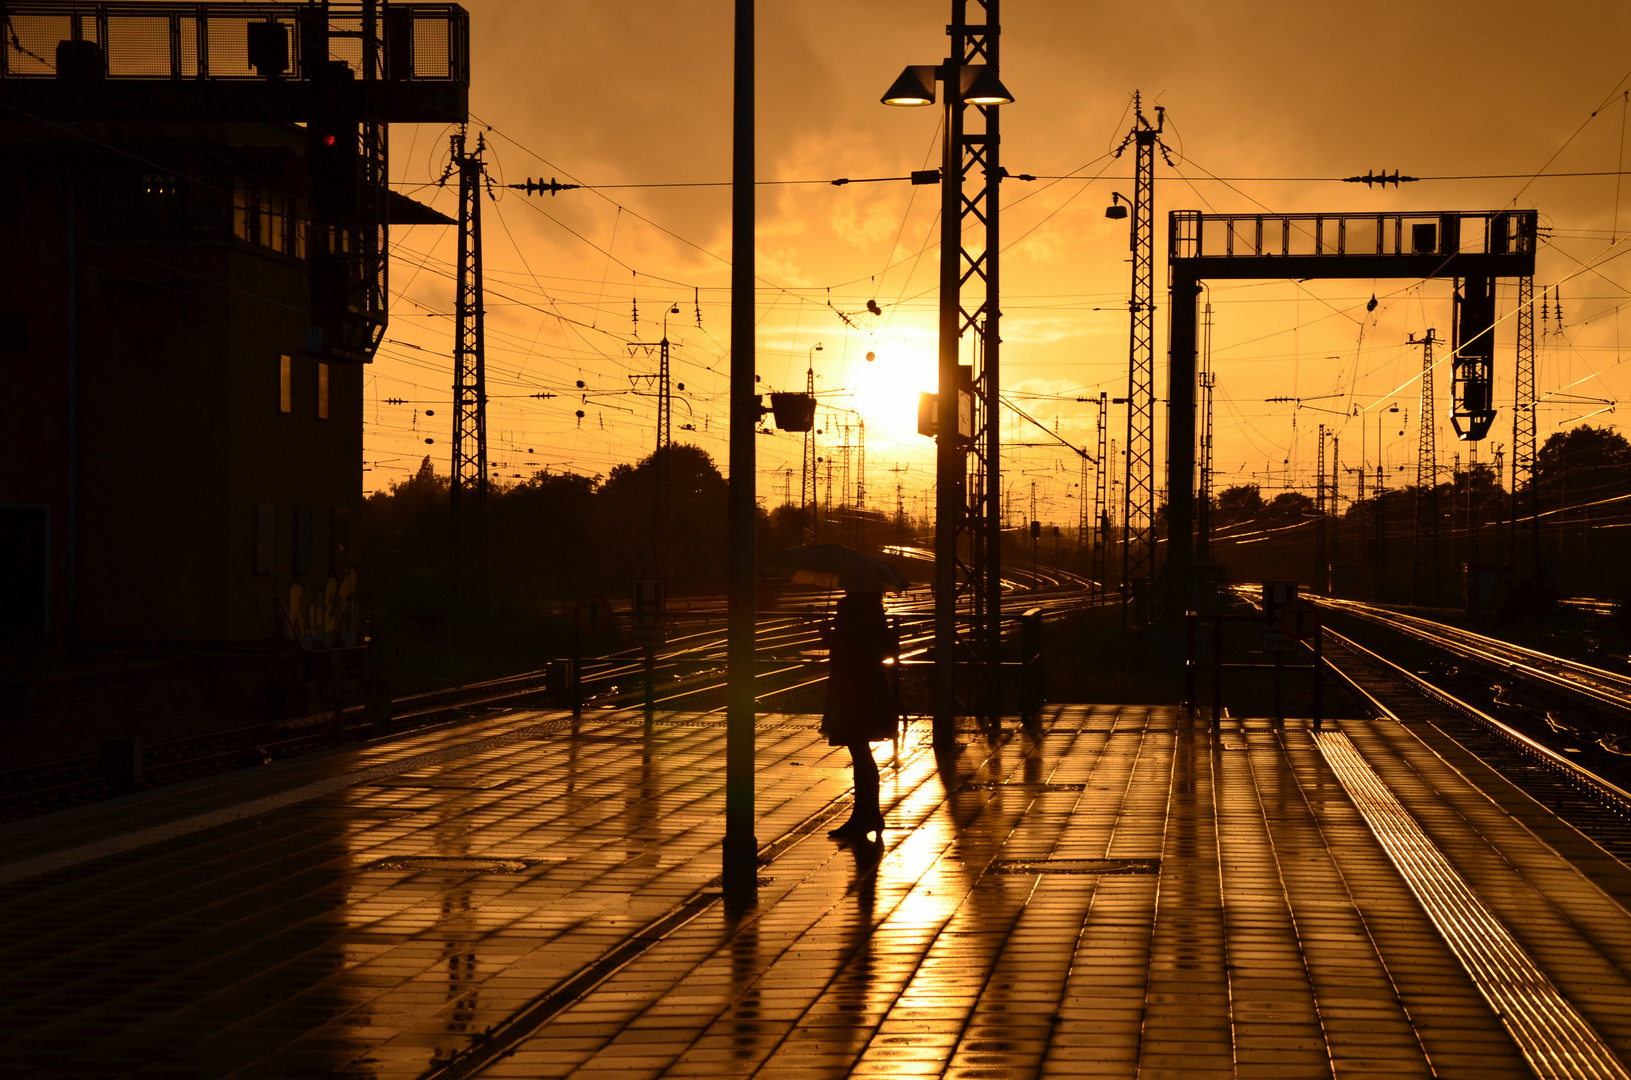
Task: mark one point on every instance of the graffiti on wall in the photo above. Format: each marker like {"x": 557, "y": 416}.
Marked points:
{"x": 325, "y": 619}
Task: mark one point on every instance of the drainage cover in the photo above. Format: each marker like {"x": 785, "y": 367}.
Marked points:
{"x": 453, "y": 864}
{"x": 1076, "y": 866}
{"x": 439, "y": 783}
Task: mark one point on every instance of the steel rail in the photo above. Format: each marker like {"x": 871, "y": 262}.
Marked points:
{"x": 1575, "y": 773}
{"x": 1607, "y": 687}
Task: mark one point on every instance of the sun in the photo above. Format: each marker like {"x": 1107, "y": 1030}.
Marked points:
{"x": 886, "y": 389}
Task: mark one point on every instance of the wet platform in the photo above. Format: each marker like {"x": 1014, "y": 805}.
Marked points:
{"x": 1123, "y": 893}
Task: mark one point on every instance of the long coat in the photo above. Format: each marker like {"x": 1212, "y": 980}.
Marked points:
{"x": 859, "y": 706}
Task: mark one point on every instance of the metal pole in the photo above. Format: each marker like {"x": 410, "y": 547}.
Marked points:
{"x": 72, "y": 583}
{"x": 1217, "y": 670}
{"x": 740, "y": 850}
{"x": 651, "y": 683}
{"x": 1181, "y": 443}
{"x": 949, "y": 464}
{"x": 1319, "y": 669}
{"x": 1189, "y": 666}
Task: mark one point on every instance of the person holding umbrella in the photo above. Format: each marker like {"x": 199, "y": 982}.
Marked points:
{"x": 859, "y": 709}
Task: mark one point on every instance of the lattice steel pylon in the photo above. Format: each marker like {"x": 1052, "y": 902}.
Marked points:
{"x": 1083, "y": 512}
{"x": 467, "y": 496}
{"x": 969, "y": 515}
{"x": 1525, "y": 551}
{"x": 1426, "y": 532}
{"x": 1101, "y": 504}
{"x": 807, "y": 483}
{"x": 1138, "y": 494}
{"x": 665, "y": 402}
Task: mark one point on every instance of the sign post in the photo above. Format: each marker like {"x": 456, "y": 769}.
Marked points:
{"x": 647, "y": 607}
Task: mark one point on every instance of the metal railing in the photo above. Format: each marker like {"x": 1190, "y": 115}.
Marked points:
{"x": 154, "y": 41}
{"x": 1496, "y": 232}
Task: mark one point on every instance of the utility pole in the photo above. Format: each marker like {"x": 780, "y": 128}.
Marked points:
{"x": 1336, "y": 510}
{"x": 860, "y": 481}
{"x": 1472, "y": 507}
{"x": 1138, "y": 494}
{"x": 467, "y": 494}
{"x": 1084, "y": 511}
{"x": 1320, "y": 511}
{"x": 1034, "y": 529}
{"x": 845, "y": 450}
{"x": 1101, "y": 503}
{"x": 664, "y": 440}
{"x": 1379, "y": 551}
{"x": 1203, "y": 511}
{"x": 1525, "y": 553}
{"x": 740, "y": 851}
{"x": 1426, "y": 536}
{"x": 807, "y": 488}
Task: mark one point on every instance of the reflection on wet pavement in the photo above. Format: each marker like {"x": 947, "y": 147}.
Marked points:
{"x": 1124, "y": 893}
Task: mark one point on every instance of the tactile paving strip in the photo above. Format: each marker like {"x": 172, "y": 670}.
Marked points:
{"x": 1555, "y": 1039}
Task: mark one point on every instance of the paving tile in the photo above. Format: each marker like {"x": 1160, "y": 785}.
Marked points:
{"x": 1252, "y": 926}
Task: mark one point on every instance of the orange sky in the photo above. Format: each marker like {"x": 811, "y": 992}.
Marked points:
{"x": 628, "y": 93}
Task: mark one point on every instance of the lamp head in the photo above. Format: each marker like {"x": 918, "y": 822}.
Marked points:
{"x": 1116, "y": 211}
{"x": 982, "y": 87}
{"x": 915, "y": 86}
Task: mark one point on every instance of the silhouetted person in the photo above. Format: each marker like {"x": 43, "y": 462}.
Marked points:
{"x": 859, "y": 710}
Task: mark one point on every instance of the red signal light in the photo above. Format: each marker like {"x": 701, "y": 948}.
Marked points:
{"x": 328, "y": 140}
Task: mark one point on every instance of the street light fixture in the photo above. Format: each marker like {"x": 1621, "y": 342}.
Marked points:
{"x": 977, "y": 84}
{"x": 1116, "y": 211}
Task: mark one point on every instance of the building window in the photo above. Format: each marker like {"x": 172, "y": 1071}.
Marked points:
{"x": 265, "y": 530}
{"x": 268, "y": 217}
{"x": 322, "y": 391}
{"x": 302, "y": 539}
{"x": 285, "y": 401}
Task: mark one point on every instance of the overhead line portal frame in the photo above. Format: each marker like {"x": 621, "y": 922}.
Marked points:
{"x": 1465, "y": 246}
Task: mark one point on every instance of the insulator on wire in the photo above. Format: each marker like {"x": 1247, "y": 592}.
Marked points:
{"x": 1382, "y": 178}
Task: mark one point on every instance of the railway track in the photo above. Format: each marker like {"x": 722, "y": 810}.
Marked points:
{"x": 1594, "y": 804}
{"x": 690, "y": 673}
{"x": 1599, "y": 684}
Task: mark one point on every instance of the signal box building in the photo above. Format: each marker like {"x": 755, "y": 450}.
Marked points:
{"x": 194, "y": 216}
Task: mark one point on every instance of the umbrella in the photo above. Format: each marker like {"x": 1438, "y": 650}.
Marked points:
{"x": 833, "y": 565}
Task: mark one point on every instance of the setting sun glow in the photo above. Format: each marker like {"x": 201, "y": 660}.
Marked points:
{"x": 886, "y": 390}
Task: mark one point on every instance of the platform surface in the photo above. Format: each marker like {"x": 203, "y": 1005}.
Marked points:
{"x": 1124, "y": 893}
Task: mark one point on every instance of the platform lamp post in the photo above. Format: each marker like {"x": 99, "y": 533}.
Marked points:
{"x": 965, "y": 84}
{"x": 740, "y": 851}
